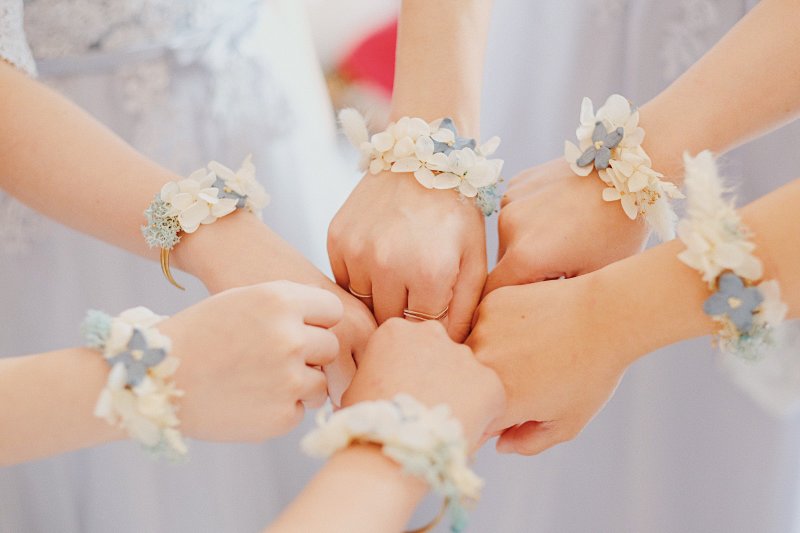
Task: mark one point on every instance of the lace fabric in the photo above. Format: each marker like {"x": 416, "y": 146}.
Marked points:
{"x": 13, "y": 45}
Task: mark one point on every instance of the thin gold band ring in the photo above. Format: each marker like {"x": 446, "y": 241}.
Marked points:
{"x": 419, "y": 315}
{"x": 358, "y": 294}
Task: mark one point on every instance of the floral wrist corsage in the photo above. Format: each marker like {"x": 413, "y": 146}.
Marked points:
{"x": 611, "y": 143}
{"x": 718, "y": 247}
{"x": 433, "y": 151}
{"x": 205, "y": 196}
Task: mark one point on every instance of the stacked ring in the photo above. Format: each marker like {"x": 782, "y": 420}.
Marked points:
{"x": 358, "y": 294}
{"x": 419, "y": 315}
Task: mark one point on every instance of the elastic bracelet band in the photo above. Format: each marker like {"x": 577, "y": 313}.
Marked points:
{"x": 139, "y": 393}
{"x": 426, "y": 442}
{"x": 205, "y": 196}
{"x": 718, "y": 247}
{"x": 433, "y": 152}
{"x": 611, "y": 143}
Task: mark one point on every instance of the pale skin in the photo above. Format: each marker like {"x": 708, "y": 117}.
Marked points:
{"x": 745, "y": 86}
{"x": 407, "y": 246}
{"x": 560, "y": 347}
{"x": 417, "y": 359}
{"x": 45, "y": 165}
{"x": 244, "y": 387}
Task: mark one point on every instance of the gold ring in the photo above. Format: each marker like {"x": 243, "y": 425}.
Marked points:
{"x": 432, "y": 524}
{"x": 418, "y": 315}
{"x": 165, "y": 268}
{"x": 358, "y": 294}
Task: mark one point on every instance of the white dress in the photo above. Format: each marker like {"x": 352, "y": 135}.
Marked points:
{"x": 184, "y": 82}
{"x": 679, "y": 448}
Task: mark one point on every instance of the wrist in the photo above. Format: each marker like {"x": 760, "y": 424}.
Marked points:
{"x": 648, "y": 301}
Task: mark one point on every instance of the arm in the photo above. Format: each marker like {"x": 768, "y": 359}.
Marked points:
{"x": 745, "y": 86}
{"x": 417, "y": 359}
{"x": 408, "y": 246}
{"x": 236, "y": 390}
{"x": 63, "y": 163}
{"x": 561, "y": 365}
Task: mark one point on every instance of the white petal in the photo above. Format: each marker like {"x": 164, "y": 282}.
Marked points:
{"x": 190, "y": 185}
{"x": 446, "y": 180}
{"x": 225, "y": 206}
{"x": 633, "y": 138}
{"x": 210, "y": 195}
{"x": 404, "y": 147}
{"x": 482, "y": 174}
{"x": 183, "y": 200}
{"x": 467, "y": 189}
{"x": 629, "y": 206}
{"x": 637, "y": 181}
{"x": 610, "y": 194}
{"x": 587, "y": 112}
{"x": 490, "y": 146}
{"x": 169, "y": 190}
{"x": 418, "y": 127}
{"x": 439, "y": 162}
{"x": 376, "y": 166}
{"x": 383, "y": 141}
{"x": 424, "y": 148}
{"x": 407, "y": 164}
{"x": 221, "y": 171}
{"x": 617, "y": 110}
{"x": 425, "y": 177}
{"x": 444, "y": 135}
{"x": 192, "y": 216}
{"x": 354, "y": 126}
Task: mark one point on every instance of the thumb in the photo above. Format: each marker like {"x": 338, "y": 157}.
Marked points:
{"x": 529, "y": 438}
{"x": 509, "y": 271}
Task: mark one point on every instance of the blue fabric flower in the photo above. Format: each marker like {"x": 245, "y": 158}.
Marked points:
{"x": 138, "y": 358}
{"x": 461, "y": 142}
{"x": 602, "y": 143}
{"x": 735, "y": 301}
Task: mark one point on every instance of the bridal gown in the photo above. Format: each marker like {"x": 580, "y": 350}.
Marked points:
{"x": 183, "y": 81}
{"x": 679, "y": 448}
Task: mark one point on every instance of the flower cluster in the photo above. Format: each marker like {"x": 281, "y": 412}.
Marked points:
{"x": 428, "y": 443}
{"x": 718, "y": 246}
{"x": 434, "y": 152}
{"x": 139, "y": 393}
{"x": 203, "y": 197}
{"x": 610, "y": 142}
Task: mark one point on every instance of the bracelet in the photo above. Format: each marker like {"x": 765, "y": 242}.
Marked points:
{"x": 205, "y": 196}
{"x": 611, "y": 143}
{"x": 433, "y": 152}
{"x": 718, "y": 247}
{"x": 428, "y": 443}
{"x": 139, "y": 393}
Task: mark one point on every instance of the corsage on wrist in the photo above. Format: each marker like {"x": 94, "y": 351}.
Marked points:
{"x": 433, "y": 152}
{"x": 718, "y": 247}
{"x": 428, "y": 443}
{"x": 205, "y": 196}
{"x": 611, "y": 143}
{"x": 139, "y": 394}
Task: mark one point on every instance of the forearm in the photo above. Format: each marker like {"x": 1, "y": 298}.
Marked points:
{"x": 377, "y": 497}
{"x": 440, "y": 55}
{"x": 61, "y": 162}
{"x": 747, "y": 85}
{"x": 657, "y": 300}
{"x": 48, "y": 403}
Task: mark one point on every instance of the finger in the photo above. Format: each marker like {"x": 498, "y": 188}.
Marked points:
{"x": 529, "y": 438}
{"x": 360, "y": 286}
{"x": 389, "y": 299}
{"x": 319, "y": 307}
{"x": 338, "y": 266}
{"x": 341, "y": 371}
{"x": 510, "y": 271}
{"x": 321, "y": 346}
{"x": 467, "y": 293}
{"x": 431, "y": 296}
{"x": 315, "y": 387}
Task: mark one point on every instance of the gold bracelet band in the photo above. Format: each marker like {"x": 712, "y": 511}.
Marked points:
{"x": 165, "y": 268}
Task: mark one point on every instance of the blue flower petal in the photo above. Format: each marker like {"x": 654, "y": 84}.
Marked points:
{"x": 137, "y": 340}
{"x": 599, "y": 133}
{"x": 742, "y": 318}
{"x": 614, "y": 138}
{"x": 717, "y": 304}
{"x": 603, "y": 158}
{"x": 730, "y": 284}
{"x": 587, "y": 157}
{"x": 152, "y": 357}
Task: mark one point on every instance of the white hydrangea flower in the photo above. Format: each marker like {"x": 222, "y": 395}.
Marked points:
{"x": 773, "y": 310}
{"x": 243, "y": 182}
{"x": 195, "y": 201}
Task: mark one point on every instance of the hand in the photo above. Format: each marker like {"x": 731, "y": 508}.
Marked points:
{"x": 239, "y": 250}
{"x": 410, "y": 247}
{"x": 557, "y": 358}
{"x": 420, "y": 360}
{"x": 250, "y": 359}
{"x": 554, "y": 223}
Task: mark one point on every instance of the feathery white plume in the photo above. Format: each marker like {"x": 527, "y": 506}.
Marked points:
{"x": 354, "y": 126}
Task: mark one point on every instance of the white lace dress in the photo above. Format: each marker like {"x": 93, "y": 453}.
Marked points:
{"x": 184, "y": 81}
{"x": 679, "y": 448}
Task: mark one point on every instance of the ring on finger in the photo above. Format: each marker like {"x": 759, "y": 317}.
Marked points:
{"x": 419, "y": 315}
{"x": 359, "y": 295}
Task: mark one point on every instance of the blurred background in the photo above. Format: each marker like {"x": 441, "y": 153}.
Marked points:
{"x": 689, "y": 444}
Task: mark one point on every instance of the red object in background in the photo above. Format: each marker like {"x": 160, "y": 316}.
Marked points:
{"x": 371, "y": 62}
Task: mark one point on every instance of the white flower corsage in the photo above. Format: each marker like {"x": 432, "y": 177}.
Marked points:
{"x": 611, "y": 143}
{"x": 206, "y": 195}
{"x": 718, "y": 247}
{"x": 433, "y": 152}
{"x": 426, "y": 442}
{"x": 139, "y": 394}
